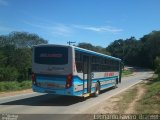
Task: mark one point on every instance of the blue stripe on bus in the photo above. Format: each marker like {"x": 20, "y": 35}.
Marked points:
{"x": 68, "y": 91}
{"x": 78, "y": 93}
{"x": 78, "y": 80}
{"x": 51, "y": 78}
{"x": 55, "y": 79}
{"x": 106, "y": 86}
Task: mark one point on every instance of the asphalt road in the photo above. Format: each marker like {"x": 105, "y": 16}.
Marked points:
{"x": 35, "y": 103}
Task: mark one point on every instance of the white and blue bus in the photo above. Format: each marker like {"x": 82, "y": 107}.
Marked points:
{"x": 70, "y": 70}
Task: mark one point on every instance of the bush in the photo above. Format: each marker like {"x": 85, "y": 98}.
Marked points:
{"x": 25, "y": 84}
{"x": 126, "y": 72}
{"x": 8, "y": 74}
{"x": 157, "y": 65}
{"x": 14, "y": 85}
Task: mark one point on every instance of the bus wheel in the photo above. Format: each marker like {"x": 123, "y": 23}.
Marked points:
{"x": 82, "y": 99}
{"x": 115, "y": 84}
{"x": 97, "y": 89}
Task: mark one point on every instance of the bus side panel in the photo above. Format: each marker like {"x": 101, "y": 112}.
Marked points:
{"x": 78, "y": 86}
{"x": 105, "y": 83}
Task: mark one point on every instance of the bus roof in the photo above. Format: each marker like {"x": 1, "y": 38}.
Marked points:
{"x": 40, "y": 45}
{"x": 95, "y": 53}
{"x": 81, "y": 50}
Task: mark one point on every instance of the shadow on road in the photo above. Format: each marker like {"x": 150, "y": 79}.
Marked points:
{"x": 55, "y": 100}
{"x": 139, "y": 69}
{"x": 50, "y": 100}
{"x": 46, "y": 100}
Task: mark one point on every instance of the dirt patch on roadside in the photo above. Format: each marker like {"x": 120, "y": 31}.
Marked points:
{"x": 109, "y": 106}
{"x": 12, "y": 93}
{"x": 131, "y": 108}
{"x": 123, "y": 103}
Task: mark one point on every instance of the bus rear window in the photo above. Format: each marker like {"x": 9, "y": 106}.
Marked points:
{"x": 51, "y": 55}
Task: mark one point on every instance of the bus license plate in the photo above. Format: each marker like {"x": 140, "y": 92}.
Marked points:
{"x": 50, "y": 85}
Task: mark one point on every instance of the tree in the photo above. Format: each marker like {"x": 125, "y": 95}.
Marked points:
{"x": 93, "y": 48}
{"x": 21, "y": 40}
{"x": 157, "y": 65}
{"x": 141, "y": 52}
{"x": 15, "y": 54}
{"x": 151, "y": 46}
{"x": 116, "y": 48}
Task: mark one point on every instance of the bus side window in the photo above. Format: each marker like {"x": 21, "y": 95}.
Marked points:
{"x": 79, "y": 63}
{"x": 85, "y": 68}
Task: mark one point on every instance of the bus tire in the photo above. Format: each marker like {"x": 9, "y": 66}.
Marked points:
{"x": 97, "y": 89}
{"x": 82, "y": 99}
{"x": 116, "y": 80}
{"x": 115, "y": 84}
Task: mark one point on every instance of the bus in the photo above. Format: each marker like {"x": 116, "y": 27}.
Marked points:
{"x": 73, "y": 71}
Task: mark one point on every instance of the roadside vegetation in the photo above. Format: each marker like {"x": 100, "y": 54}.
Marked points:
{"x": 14, "y": 85}
{"x": 126, "y": 99}
{"x": 143, "y": 98}
{"x": 150, "y": 101}
{"x": 126, "y": 72}
{"x": 15, "y": 60}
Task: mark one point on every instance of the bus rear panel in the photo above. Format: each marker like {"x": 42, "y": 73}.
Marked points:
{"x": 52, "y": 69}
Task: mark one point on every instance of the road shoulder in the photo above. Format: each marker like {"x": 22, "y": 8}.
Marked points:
{"x": 14, "y": 93}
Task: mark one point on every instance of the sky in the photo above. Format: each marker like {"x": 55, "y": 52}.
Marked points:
{"x": 98, "y": 22}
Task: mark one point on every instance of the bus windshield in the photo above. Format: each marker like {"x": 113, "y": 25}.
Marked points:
{"x": 51, "y": 55}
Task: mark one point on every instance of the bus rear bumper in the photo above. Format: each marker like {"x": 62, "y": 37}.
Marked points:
{"x": 52, "y": 91}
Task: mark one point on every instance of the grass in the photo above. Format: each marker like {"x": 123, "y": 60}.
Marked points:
{"x": 125, "y": 99}
{"x": 150, "y": 102}
{"x": 14, "y": 85}
{"x": 126, "y": 72}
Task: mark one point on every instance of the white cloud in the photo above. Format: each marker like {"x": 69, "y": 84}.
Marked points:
{"x": 59, "y": 29}
{"x": 54, "y": 29}
{"x": 99, "y": 29}
{"x": 3, "y": 3}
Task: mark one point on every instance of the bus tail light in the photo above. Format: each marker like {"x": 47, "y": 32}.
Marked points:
{"x": 69, "y": 81}
{"x": 33, "y": 79}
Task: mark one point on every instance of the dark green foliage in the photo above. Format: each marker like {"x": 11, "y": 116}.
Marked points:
{"x": 157, "y": 66}
{"x": 135, "y": 52}
{"x": 126, "y": 72}
{"x": 128, "y": 50}
{"x": 15, "y": 55}
{"x": 93, "y": 48}
{"x": 150, "y": 48}
{"x": 21, "y": 40}
{"x": 8, "y": 74}
{"x": 14, "y": 85}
